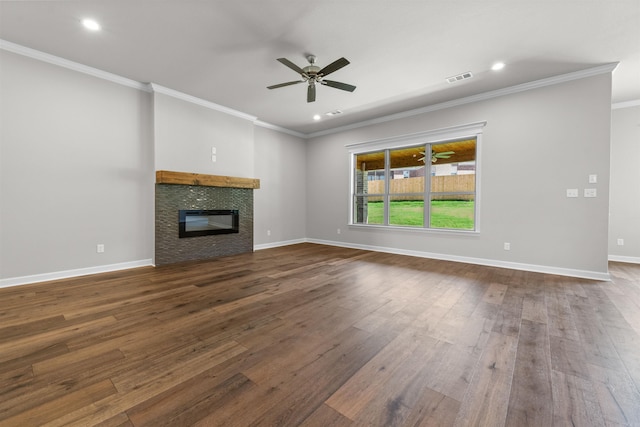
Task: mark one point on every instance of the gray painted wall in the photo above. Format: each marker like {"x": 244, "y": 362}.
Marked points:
{"x": 185, "y": 133}
{"x": 536, "y": 144}
{"x": 78, "y": 158}
{"x": 76, "y": 170}
{"x": 625, "y": 184}
{"x": 280, "y": 203}
{"x": 77, "y": 165}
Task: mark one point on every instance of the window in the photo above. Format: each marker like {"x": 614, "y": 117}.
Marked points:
{"x": 392, "y": 180}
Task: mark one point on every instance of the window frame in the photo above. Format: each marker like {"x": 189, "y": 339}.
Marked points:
{"x": 431, "y": 137}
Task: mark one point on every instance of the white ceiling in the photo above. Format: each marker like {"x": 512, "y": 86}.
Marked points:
{"x": 401, "y": 51}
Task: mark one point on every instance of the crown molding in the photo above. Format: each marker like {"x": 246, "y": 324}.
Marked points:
{"x": 152, "y": 87}
{"x": 156, "y": 88}
{"x": 279, "y": 129}
{"x": 626, "y": 104}
{"x": 536, "y": 84}
{"x": 75, "y": 66}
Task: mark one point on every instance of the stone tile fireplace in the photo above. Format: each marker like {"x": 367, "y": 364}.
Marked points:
{"x": 179, "y": 191}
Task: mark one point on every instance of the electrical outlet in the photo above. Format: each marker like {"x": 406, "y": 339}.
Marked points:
{"x": 507, "y": 246}
{"x": 593, "y": 178}
{"x": 620, "y": 242}
{"x": 339, "y": 231}
{"x": 214, "y": 158}
{"x": 268, "y": 232}
{"x": 100, "y": 248}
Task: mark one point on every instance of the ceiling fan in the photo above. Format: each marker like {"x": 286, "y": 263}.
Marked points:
{"x": 435, "y": 156}
{"x": 312, "y": 75}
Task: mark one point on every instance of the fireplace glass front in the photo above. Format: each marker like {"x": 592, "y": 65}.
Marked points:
{"x": 205, "y": 222}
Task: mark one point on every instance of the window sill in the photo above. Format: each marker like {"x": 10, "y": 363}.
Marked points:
{"x": 445, "y": 231}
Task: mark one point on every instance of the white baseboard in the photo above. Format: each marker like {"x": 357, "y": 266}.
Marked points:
{"x": 629, "y": 259}
{"x": 584, "y": 274}
{"x": 278, "y": 244}
{"x": 594, "y": 275}
{"x": 15, "y": 281}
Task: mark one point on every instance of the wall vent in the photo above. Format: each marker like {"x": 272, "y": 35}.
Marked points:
{"x": 459, "y": 77}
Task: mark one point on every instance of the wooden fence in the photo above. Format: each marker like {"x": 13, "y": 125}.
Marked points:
{"x": 439, "y": 184}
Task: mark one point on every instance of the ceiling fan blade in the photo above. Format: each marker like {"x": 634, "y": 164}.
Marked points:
{"x": 339, "y": 85}
{"x": 334, "y": 66}
{"x": 291, "y": 65}
{"x": 285, "y": 84}
{"x": 311, "y": 93}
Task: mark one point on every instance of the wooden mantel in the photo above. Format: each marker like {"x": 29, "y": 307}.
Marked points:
{"x": 186, "y": 178}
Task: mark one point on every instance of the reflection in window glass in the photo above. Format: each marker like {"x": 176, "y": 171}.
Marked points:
{"x": 390, "y": 186}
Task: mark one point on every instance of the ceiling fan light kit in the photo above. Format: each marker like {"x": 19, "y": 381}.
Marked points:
{"x": 312, "y": 75}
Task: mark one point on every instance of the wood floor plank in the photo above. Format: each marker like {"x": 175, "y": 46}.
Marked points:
{"x": 618, "y": 397}
{"x": 531, "y": 399}
{"x": 189, "y": 402}
{"x": 53, "y": 409}
{"x": 355, "y": 395}
{"x": 486, "y": 401}
{"x": 574, "y": 401}
{"x": 316, "y": 335}
{"x": 30, "y": 344}
{"x": 326, "y": 416}
{"x": 495, "y": 293}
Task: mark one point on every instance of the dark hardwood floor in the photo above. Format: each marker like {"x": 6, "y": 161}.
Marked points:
{"x": 315, "y": 335}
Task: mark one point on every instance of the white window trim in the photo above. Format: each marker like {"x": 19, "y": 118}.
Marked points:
{"x": 469, "y": 130}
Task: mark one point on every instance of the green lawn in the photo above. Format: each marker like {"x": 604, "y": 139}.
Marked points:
{"x": 456, "y": 214}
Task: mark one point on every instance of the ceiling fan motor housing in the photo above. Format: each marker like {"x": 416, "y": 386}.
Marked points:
{"x": 311, "y": 70}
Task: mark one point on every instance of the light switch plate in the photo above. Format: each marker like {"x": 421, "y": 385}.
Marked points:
{"x": 593, "y": 178}
{"x": 572, "y": 192}
{"x": 590, "y": 192}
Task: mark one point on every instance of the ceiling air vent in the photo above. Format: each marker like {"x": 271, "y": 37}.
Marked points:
{"x": 460, "y": 77}
{"x": 333, "y": 113}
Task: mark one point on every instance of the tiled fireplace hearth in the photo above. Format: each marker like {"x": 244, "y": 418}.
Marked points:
{"x": 176, "y": 191}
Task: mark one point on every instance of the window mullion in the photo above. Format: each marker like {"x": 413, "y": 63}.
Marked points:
{"x": 387, "y": 186}
{"x": 427, "y": 186}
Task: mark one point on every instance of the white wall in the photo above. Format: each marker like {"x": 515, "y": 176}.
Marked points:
{"x": 280, "y": 203}
{"x": 185, "y": 133}
{"x": 625, "y": 185}
{"x": 536, "y": 144}
{"x": 76, "y": 170}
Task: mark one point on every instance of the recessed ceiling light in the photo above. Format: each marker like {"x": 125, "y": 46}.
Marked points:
{"x": 497, "y": 66}
{"x": 317, "y": 117}
{"x": 91, "y": 24}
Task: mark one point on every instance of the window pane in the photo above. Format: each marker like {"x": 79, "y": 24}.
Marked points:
{"x": 454, "y": 213}
{"x": 368, "y": 210}
{"x": 407, "y": 210}
{"x": 453, "y": 185}
{"x": 369, "y": 173}
{"x": 407, "y": 169}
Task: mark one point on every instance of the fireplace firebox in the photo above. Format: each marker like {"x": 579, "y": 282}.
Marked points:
{"x": 195, "y": 223}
